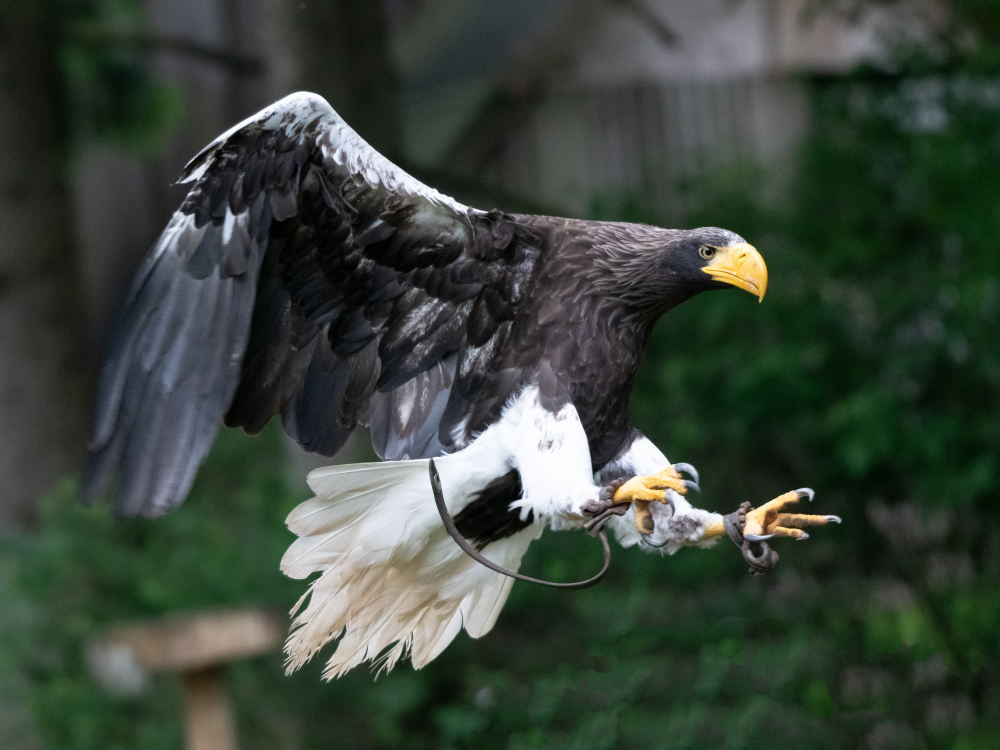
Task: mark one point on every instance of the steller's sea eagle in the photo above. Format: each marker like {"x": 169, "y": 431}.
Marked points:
{"x": 306, "y": 276}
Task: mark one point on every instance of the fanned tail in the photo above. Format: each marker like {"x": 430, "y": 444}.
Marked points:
{"x": 391, "y": 579}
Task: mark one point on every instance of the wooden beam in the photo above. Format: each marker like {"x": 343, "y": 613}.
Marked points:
{"x": 182, "y": 643}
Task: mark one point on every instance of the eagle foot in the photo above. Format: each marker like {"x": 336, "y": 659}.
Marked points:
{"x": 749, "y": 528}
{"x": 641, "y": 491}
{"x": 771, "y": 521}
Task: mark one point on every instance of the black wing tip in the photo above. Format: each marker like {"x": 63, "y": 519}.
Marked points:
{"x": 95, "y": 476}
{"x": 94, "y": 486}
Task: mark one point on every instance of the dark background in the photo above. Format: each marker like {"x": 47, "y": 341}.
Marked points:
{"x": 855, "y": 144}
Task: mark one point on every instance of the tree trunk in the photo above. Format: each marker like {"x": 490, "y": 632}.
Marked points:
{"x": 42, "y": 359}
{"x": 342, "y": 53}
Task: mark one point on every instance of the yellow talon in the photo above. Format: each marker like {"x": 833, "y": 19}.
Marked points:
{"x": 651, "y": 487}
{"x": 641, "y": 491}
{"x": 770, "y": 520}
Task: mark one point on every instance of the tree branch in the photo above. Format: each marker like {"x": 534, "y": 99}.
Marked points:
{"x": 148, "y": 44}
{"x": 649, "y": 19}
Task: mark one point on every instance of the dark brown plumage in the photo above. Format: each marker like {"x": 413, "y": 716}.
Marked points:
{"x": 304, "y": 276}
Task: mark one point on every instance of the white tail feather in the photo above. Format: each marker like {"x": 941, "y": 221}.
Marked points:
{"x": 390, "y": 574}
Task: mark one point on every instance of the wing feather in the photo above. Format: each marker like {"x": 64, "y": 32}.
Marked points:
{"x": 304, "y": 276}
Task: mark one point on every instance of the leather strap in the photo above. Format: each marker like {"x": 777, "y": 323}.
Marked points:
{"x": 449, "y": 524}
{"x": 761, "y": 557}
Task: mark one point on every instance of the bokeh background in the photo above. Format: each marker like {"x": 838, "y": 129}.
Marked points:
{"x": 856, "y": 144}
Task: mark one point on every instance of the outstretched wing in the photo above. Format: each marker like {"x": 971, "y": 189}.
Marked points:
{"x": 304, "y": 275}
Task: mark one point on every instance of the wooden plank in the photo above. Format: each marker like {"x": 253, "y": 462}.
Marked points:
{"x": 198, "y": 641}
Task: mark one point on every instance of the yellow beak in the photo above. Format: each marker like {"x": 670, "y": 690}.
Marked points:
{"x": 741, "y": 266}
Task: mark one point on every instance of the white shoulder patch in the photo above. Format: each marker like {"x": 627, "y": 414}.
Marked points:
{"x": 339, "y": 142}
{"x": 342, "y": 144}
{"x": 551, "y": 453}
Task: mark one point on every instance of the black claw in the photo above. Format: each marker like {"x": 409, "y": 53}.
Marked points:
{"x": 688, "y": 469}
{"x": 692, "y": 485}
{"x": 644, "y": 541}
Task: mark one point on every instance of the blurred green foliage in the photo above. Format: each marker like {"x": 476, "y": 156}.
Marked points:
{"x": 871, "y": 372}
{"x": 112, "y": 92}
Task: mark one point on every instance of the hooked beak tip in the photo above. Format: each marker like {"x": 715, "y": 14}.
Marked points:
{"x": 742, "y": 266}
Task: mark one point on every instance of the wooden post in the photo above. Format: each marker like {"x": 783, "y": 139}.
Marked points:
{"x": 208, "y": 717}
{"x": 197, "y": 646}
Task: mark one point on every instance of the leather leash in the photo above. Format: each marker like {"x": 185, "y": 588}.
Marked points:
{"x": 449, "y": 524}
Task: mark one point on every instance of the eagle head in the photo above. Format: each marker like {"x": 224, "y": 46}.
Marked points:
{"x": 654, "y": 269}
{"x": 697, "y": 260}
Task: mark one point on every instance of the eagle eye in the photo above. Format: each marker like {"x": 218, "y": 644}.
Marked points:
{"x": 707, "y": 252}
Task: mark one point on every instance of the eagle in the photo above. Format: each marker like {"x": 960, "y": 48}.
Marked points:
{"x": 306, "y": 276}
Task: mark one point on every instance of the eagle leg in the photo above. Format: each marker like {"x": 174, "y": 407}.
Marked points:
{"x": 643, "y": 490}
{"x": 771, "y": 520}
